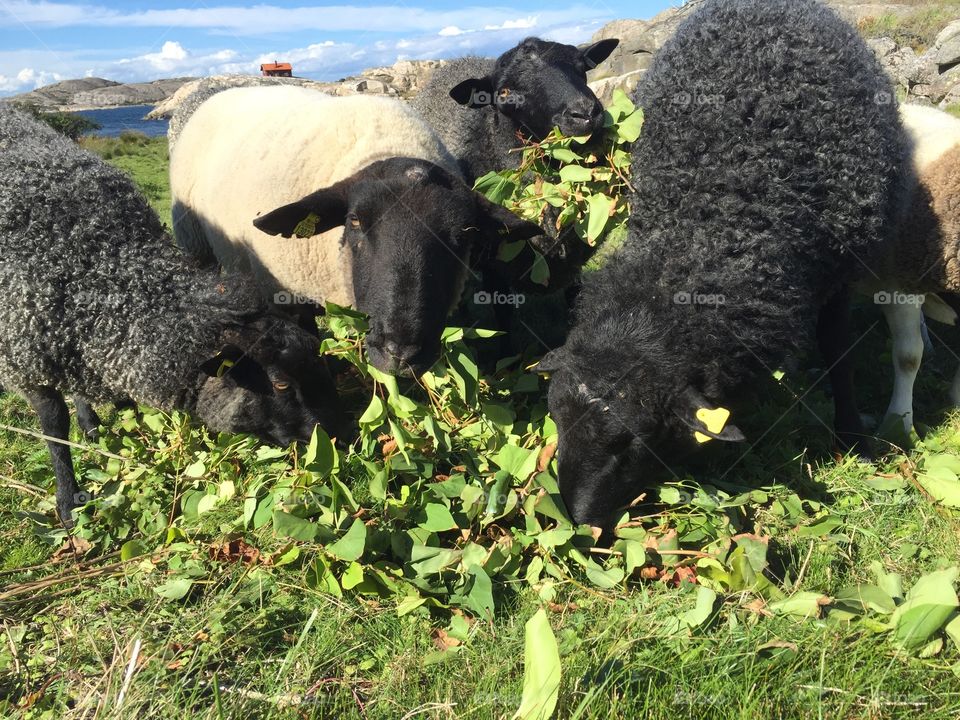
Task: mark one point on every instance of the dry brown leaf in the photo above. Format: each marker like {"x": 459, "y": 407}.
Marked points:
{"x": 73, "y": 548}
{"x": 234, "y": 550}
{"x": 545, "y": 456}
{"x": 678, "y": 575}
{"x": 649, "y": 572}
{"x": 389, "y": 447}
{"x": 443, "y": 640}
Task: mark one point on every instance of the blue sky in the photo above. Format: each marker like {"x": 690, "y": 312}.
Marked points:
{"x": 43, "y": 41}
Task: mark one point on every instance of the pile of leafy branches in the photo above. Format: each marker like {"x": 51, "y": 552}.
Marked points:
{"x": 571, "y": 185}
{"x": 448, "y": 503}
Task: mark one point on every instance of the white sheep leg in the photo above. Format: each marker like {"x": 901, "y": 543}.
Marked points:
{"x": 905, "y": 321}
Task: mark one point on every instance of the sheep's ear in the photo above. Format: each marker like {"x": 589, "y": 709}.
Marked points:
{"x": 314, "y": 214}
{"x": 501, "y": 223}
{"x": 474, "y": 93}
{"x": 707, "y": 421}
{"x": 598, "y": 52}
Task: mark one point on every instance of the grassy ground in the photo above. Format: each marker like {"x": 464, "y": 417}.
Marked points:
{"x": 145, "y": 158}
{"x": 93, "y": 639}
{"x": 917, "y": 28}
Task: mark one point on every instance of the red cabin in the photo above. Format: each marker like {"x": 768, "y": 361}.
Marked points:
{"x": 277, "y": 69}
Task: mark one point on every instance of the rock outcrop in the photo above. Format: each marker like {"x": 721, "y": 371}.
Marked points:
{"x": 931, "y": 77}
{"x": 96, "y": 93}
{"x": 404, "y": 79}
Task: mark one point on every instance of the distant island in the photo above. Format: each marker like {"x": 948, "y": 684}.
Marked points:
{"x": 98, "y": 93}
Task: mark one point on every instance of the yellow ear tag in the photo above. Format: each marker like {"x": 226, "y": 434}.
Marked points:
{"x": 224, "y": 368}
{"x": 715, "y": 420}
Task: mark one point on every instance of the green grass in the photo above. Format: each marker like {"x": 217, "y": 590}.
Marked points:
{"x": 261, "y": 641}
{"x": 145, "y": 159}
{"x": 953, "y": 109}
{"x": 918, "y": 28}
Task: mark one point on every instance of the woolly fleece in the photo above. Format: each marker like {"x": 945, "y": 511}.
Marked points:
{"x": 247, "y": 151}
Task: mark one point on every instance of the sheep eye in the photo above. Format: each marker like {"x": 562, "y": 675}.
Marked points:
{"x": 354, "y": 222}
{"x": 281, "y": 386}
{"x": 504, "y": 92}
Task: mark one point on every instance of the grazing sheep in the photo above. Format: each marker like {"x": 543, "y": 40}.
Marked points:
{"x": 394, "y": 229}
{"x": 925, "y": 258}
{"x": 478, "y": 105}
{"x": 97, "y": 302}
{"x": 771, "y": 165}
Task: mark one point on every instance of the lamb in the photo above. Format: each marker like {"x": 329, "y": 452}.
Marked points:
{"x": 98, "y": 303}
{"x": 771, "y": 164}
{"x": 393, "y": 227}
{"x": 479, "y": 106}
{"x": 925, "y": 259}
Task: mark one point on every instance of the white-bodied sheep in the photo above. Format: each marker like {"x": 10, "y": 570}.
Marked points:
{"x": 394, "y": 226}
{"x": 925, "y": 259}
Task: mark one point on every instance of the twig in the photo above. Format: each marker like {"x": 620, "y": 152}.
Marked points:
{"x": 129, "y": 674}
{"x": 68, "y": 443}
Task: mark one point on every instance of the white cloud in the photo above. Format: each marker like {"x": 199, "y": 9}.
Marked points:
{"x": 27, "y": 79}
{"x": 264, "y": 18}
{"x": 520, "y": 24}
{"x": 464, "y": 31}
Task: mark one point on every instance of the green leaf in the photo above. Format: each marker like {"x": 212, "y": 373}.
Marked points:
{"x": 438, "y": 519}
{"x": 599, "y": 207}
{"x": 509, "y": 250}
{"x": 929, "y": 605}
{"x": 703, "y": 611}
{"x": 939, "y": 478}
{"x": 497, "y": 188}
{"x": 350, "y": 546}
{"x": 802, "y": 604}
{"x": 132, "y": 549}
{"x": 541, "y": 670}
{"x": 564, "y": 155}
{"x": 480, "y": 596}
{"x": 575, "y": 173}
{"x": 287, "y": 525}
{"x": 540, "y": 272}
{"x": 374, "y": 415}
{"x": 628, "y": 129}
{"x": 321, "y": 456}
{"x": 174, "y": 588}
{"x": 519, "y": 462}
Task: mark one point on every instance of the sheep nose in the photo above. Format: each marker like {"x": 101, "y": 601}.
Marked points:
{"x": 584, "y": 116}
{"x": 400, "y": 353}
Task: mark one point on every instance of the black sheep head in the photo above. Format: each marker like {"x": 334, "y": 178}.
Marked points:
{"x": 411, "y": 228}
{"x": 621, "y": 423}
{"x": 540, "y": 85}
{"x": 268, "y": 380}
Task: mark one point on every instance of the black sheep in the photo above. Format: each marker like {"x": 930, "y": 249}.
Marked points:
{"x": 769, "y": 175}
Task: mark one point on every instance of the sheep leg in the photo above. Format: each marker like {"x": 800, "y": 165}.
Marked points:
{"x": 87, "y": 418}
{"x": 905, "y": 321}
{"x": 54, "y": 416}
{"x": 953, "y": 301}
{"x": 833, "y": 334}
